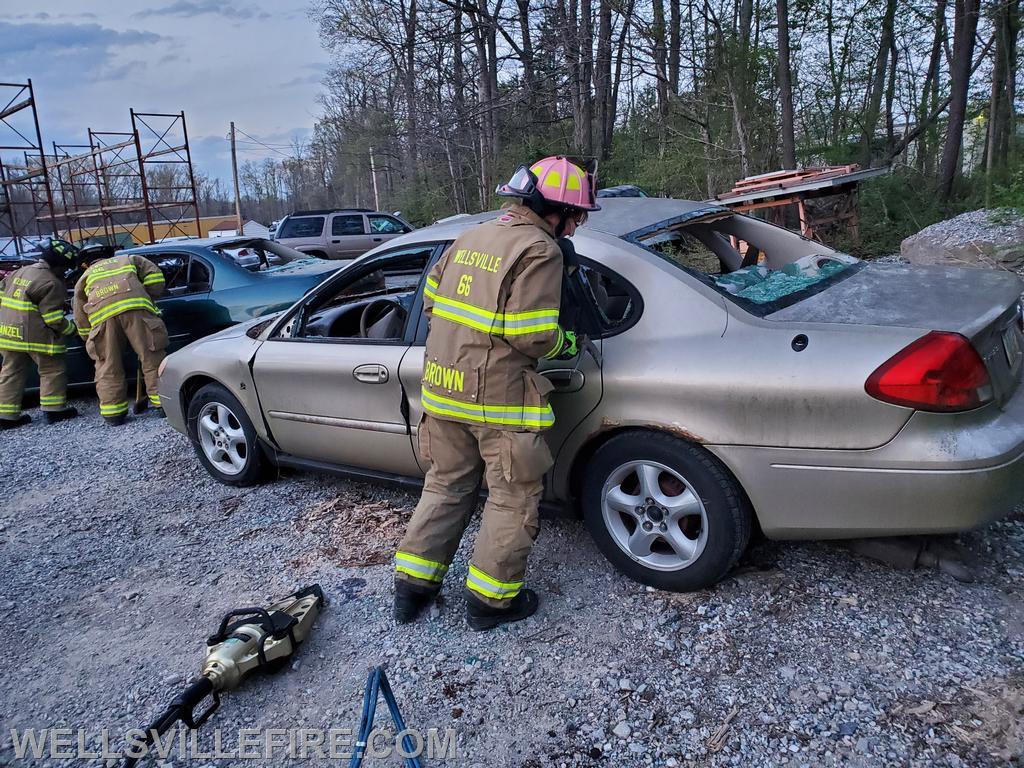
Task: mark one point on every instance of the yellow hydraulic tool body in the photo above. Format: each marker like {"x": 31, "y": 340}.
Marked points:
{"x": 249, "y": 639}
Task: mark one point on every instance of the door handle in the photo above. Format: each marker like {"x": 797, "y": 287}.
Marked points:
{"x": 377, "y": 239}
{"x": 370, "y": 373}
{"x": 565, "y": 379}
{"x": 335, "y": 241}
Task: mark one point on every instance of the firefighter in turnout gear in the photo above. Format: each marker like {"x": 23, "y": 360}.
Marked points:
{"x": 493, "y": 303}
{"x": 33, "y": 329}
{"x": 114, "y": 307}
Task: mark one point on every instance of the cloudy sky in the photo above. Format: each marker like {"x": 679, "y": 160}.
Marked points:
{"x": 259, "y": 64}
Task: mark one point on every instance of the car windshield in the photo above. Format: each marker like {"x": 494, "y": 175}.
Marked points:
{"x": 745, "y": 257}
{"x": 259, "y": 255}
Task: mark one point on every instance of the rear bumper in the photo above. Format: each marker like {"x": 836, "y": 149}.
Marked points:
{"x": 941, "y": 474}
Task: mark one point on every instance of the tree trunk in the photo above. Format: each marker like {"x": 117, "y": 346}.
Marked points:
{"x": 585, "y": 126}
{"x": 876, "y": 87}
{"x": 1006, "y": 18}
{"x": 603, "y": 77}
{"x": 965, "y": 27}
{"x": 660, "y": 73}
{"x": 930, "y": 92}
{"x": 674, "y": 45}
{"x": 785, "y": 87}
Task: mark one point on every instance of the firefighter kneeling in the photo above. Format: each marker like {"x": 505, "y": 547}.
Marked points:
{"x": 493, "y": 303}
{"x": 114, "y": 307}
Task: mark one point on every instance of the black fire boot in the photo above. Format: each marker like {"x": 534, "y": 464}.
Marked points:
{"x": 52, "y": 417}
{"x": 140, "y": 407}
{"x": 116, "y": 421}
{"x": 21, "y": 421}
{"x": 481, "y": 616}
{"x": 411, "y": 601}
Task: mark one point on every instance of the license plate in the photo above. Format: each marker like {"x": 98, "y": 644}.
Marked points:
{"x": 1011, "y": 343}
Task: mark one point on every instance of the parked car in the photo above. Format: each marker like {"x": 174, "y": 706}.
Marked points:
{"x": 622, "y": 190}
{"x": 749, "y": 374}
{"x": 208, "y": 290}
{"x": 339, "y": 233}
{"x": 14, "y": 262}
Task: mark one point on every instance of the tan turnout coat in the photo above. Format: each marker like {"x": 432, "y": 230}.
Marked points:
{"x": 493, "y": 302}
{"x": 32, "y": 311}
{"x": 115, "y": 285}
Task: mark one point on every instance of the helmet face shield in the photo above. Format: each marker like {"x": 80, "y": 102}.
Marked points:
{"x": 522, "y": 184}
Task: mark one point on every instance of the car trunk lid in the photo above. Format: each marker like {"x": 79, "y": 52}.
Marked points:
{"x": 982, "y": 305}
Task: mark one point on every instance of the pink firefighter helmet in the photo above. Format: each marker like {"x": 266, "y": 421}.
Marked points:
{"x": 557, "y": 180}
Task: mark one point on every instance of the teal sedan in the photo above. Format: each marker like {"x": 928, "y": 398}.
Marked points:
{"x": 213, "y": 284}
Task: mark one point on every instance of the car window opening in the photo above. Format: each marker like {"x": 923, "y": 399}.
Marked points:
{"x": 259, "y": 255}
{"x": 374, "y": 305}
{"x": 748, "y": 258}
{"x": 612, "y": 300}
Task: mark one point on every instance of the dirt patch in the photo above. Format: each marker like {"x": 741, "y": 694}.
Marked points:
{"x": 355, "y": 530}
{"x": 982, "y": 721}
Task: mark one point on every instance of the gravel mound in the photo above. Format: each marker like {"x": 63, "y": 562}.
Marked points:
{"x": 118, "y": 555}
{"x": 988, "y": 238}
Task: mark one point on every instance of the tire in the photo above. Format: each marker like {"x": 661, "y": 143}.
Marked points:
{"x": 705, "y": 513}
{"x": 224, "y": 438}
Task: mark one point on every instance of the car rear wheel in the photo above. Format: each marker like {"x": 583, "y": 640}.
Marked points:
{"x": 224, "y": 438}
{"x": 664, "y": 511}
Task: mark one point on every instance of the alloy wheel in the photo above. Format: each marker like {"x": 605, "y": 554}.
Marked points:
{"x": 654, "y": 515}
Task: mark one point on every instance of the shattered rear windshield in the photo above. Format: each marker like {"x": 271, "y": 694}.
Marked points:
{"x": 755, "y": 262}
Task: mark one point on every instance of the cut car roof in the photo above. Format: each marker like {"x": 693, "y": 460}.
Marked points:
{"x": 622, "y": 215}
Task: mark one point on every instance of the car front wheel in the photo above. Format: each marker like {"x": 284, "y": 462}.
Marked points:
{"x": 223, "y": 437}
{"x": 664, "y": 511}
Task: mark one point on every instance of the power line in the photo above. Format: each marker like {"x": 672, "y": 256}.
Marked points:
{"x": 263, "y": 144}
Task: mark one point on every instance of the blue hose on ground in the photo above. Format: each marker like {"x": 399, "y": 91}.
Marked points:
{"x": 376, "y": 684}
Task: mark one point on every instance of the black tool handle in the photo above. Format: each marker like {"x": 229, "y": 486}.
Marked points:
{"x": 181, "y": 708}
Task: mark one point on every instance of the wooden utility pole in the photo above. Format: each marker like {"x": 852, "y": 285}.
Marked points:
{"x": 373, "y": 175}
{"x": 234, "y": 171}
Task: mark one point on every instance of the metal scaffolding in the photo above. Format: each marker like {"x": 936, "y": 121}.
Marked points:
{"x": 26, "y": 198}
{"x": 121, "y": 174}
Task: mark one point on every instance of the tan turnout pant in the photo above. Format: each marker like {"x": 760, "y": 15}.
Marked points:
{"x": 53, "y": 381}
{"x": 514, "y": 464}
{"x": 147, "y": 335}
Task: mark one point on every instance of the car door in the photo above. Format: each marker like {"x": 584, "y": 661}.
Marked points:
{"x": 186, "y": 306}
{"x": 338, "y": 398}
{"x": 348, "y": 237}
{"x": 577, "y": 382}
{"x": 383, "y": 228}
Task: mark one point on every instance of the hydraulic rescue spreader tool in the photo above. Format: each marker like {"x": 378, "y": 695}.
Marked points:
{"x": 248, "y": 640}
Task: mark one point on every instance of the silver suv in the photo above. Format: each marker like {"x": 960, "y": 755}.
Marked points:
{"x": 339, "y": 233}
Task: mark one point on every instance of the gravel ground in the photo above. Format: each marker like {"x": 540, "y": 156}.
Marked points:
{"x": 118, "y": 555}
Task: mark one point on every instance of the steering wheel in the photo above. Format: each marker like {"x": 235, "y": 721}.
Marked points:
{"x": 377, "y": 310}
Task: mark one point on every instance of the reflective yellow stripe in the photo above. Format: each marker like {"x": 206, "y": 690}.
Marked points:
{"x": 480, "y": 582}
{"x": 511, "y": 415}
{"x": 118, "y": 307}
{"x": 57, "y": 314}
{"x": 419, "y": 567}
{"x": 53, "y": 400}
{"x": 27, "y": 346}
{"x": 557, "y": 348}
{"x": 154, "y": 399}
{"x": 99, "y": 274}
{"x": 10, "y": 407}
{"x": 496, "y": 323}
{"x": 18, "y": 304}
{"x": 154, "y": 278}
{"x": 114, "y": 409}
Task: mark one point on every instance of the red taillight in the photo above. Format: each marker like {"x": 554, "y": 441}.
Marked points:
{"x": 938, "y": 372}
